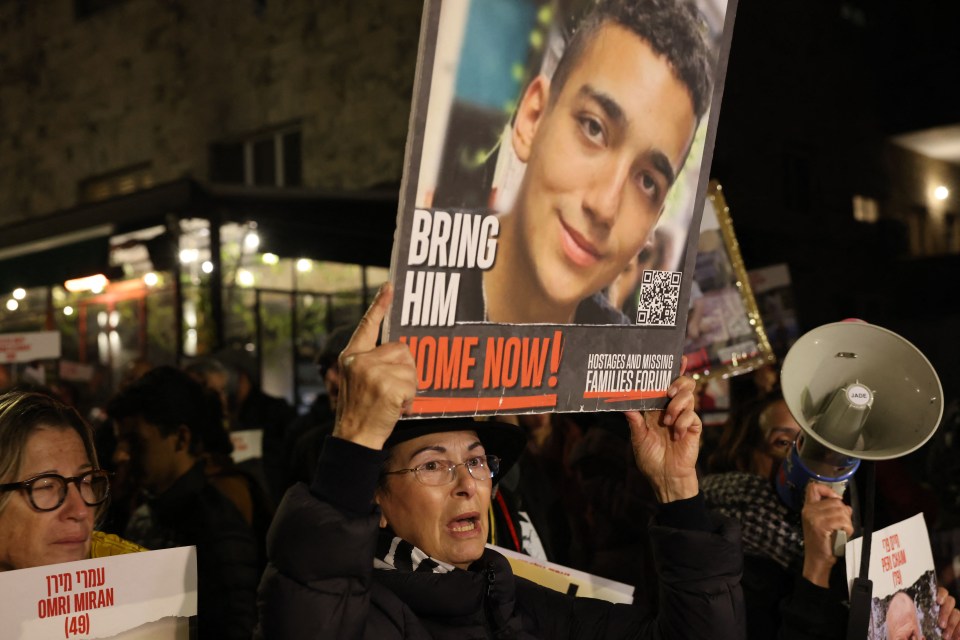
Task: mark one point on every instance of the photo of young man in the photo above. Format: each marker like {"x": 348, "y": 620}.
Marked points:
{"x": 551, "y": 200}
{"x": 602, "y": 141}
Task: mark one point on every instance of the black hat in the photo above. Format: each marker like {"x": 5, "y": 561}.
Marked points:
{"x": 501, "y": 439}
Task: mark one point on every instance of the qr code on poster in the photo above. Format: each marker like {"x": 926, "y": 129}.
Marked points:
{"x": 659, "y": 294}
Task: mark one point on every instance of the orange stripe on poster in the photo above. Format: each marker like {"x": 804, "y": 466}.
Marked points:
{"x": 428, "y": 405}
{"x": 623, "y": 396}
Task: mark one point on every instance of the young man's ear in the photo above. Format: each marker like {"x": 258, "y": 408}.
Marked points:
{"x": 530, "y": 113}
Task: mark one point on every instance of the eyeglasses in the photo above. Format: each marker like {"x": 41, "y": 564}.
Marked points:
{"x": 48, "y": 490}
{"x": 440, "y": 472}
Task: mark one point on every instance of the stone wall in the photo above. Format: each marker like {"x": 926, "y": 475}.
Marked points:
{"x": 145, "y": 81}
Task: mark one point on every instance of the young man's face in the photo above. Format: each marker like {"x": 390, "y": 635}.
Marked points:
{"x": 150, "y": 454}
{"x": 600, "y": 160}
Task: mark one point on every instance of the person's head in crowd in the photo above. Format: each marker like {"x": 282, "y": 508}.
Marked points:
{"x": 328, "y": 361}
{"x": 902, "y": 621}
{"x": 213, "y": 375}
{"x": 436, "y": 484}
{"x": 134, "y": 370}
{"x": 51, "y": 485}
{"x": 603, "y": 142}
{"x": 160, "y": 422}
{"x": 758, "y": 440}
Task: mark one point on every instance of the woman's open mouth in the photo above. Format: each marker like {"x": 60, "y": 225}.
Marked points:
{"x": 465, "y": 524}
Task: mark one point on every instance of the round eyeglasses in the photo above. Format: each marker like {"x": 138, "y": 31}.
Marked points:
{"x": 48, "y": 491}
{"x": 440, "y": 472}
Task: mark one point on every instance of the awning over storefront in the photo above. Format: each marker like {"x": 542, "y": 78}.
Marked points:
{"x": 339, "y": 227}
{"x": 353, "y": 227}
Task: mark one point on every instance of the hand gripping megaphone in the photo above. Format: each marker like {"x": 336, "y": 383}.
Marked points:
{"x": 859, "y": 392}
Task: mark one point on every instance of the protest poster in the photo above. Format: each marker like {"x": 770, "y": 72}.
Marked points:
{"x": 773, "y": 291}
{"x": 566, "y": 580}
{"x": 555, "y": 174}
{"x": 904, "y": 581}
{"x": 247, "y": 445}
{"x": 103, "y": 598}
{"x": 725, "y": 333}
{"x": 29, "y": 346}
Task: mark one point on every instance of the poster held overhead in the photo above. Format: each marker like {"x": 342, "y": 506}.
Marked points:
{"x": 556, "y": 167}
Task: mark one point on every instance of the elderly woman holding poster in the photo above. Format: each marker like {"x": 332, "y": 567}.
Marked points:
{"x": 388, "y": 542}
{"x": 51, "y": 486}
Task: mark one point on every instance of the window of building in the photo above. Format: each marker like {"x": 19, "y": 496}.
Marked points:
{"x": 268, "y": 159}
{"x": 865, "y": 209}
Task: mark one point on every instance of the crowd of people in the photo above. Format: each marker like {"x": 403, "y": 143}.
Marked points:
{"x": 357, "y": 522}
{"x": 385, "y": 535}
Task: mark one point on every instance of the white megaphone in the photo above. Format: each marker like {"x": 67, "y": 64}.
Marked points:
{"x": 859, "y": 392}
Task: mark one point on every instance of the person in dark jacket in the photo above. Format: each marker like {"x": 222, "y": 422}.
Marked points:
{"x": 793, "y": 585}
{"x": 304, "y": 436}
{"x": 160, "y": 421}
{"x": 234, "y": 375}
{"x": 388, "y": 541}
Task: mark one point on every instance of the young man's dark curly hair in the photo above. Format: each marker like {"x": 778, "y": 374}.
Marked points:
{"x": 673, "y": 30}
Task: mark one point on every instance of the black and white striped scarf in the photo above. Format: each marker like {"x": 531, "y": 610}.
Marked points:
{"x": 394, "y": 552}
{"x": 768, "y": 528}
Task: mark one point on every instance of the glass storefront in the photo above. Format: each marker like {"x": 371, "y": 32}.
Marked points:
{"x": 278, "y": 308}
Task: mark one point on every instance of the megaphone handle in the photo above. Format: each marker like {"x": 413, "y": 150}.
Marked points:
{"x": 839, "y": 543}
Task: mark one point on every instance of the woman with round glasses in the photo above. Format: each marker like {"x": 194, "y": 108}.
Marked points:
{"x": 51, "y": 487}
{"x": 388, "y": 540}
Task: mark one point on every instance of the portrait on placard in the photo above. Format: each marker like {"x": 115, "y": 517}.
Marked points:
{"x": 556, "y": 159}
{"x": 904, "y": 596}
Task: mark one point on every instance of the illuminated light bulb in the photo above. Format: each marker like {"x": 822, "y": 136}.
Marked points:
{"x": 95, "y": 283}
{"x": 245, "y": 278}
{"x": 304, "y": 265}
{"x": 151, "y": 279}
{"x": 19, "y": 293}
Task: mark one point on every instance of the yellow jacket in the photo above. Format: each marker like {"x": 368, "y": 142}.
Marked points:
{"x": 107, "y": 544}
